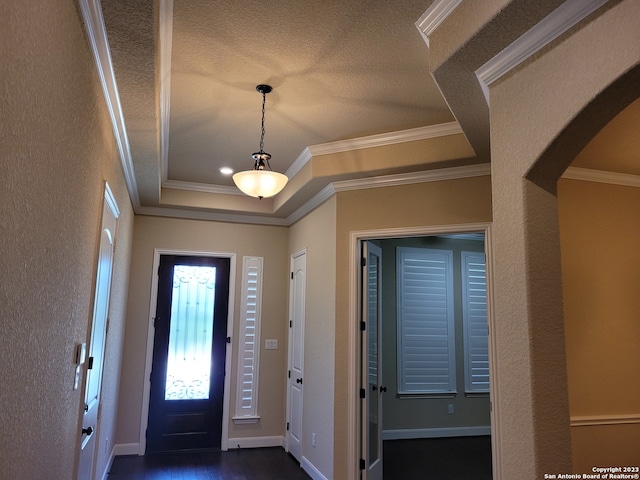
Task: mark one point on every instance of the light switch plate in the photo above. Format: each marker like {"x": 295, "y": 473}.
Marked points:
{"x": 271, "y": 344}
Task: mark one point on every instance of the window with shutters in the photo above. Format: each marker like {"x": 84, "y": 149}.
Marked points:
{"x": 249, "y": 341}
{"x": 431, "y": 299}
{"x": 426, "y": 329}
{"x": 474, "y": 321}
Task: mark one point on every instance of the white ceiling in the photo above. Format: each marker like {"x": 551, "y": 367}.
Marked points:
{"x": 342, "y": 71}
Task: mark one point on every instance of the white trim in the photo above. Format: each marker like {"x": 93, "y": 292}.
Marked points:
{"x": 165, "y": 41}
{"x": 535, "y": 39}
{"x": 353, "y": 398}
{"x": 144, "y": 416}
{"x": 413, "y": 433}
{"x": 211, "y": 216}
{"x": 383, "y": 139}
{"x": 315, "y": 201}
{"x": 437, "y": 13}
{"x": 246, "y": 419}
{"x": 255, "y": 442}
{"x": 313, "y": 472}
{"x": 97, "y": 35}
{"x": 600, "y": 176}
{"x": 372, "y": 141}
{"x": 199, "y": 187}
{"x": 120, "y": 449}
{"x": 594, "y": 420}
{"x": 425, "y": 176}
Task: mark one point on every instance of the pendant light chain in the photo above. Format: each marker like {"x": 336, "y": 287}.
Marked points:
{"x": 264, "y": 98}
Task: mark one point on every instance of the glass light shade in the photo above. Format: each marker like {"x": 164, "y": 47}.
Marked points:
{"x": 260, "y": 183}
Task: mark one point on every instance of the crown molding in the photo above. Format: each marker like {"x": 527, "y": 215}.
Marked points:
{"x": 535, "y": 39}
{"x": 317, "y": 200}
{"x": 211, "y": 216}
{"x": 452, "y": 173}
{"x": 97, "y": 36}
{"x": 201, "y": 187}
{"x": 382, "y": 139}
{"x": 601, "y": 176}
{"x": 165, "y": 40}
{"x": 434, "y": 16}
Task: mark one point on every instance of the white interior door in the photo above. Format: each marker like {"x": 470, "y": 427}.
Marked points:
{"x": 93, "y": 375}
{"x": 371, "y": 382}
{"x": 296, "y": 354}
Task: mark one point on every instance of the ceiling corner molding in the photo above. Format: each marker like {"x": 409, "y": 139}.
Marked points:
{"x": 298, "y": 163}
{"x": 380, "y": 140}
{"x": 434, "y": 16}
{"x": 535, "y": 39}
{"x": 201, "y": 187}
{"x": 165, "y": 40}
{"x": 97, "y": 36}
{"x": 317, "y": 200}
{"x": 188, "y": 214}
{"x": 601, "y": 176}
{"x": 453, "y": 173}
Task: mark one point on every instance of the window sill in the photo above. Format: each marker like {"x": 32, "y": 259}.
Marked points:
{"x": 245, "y": 420}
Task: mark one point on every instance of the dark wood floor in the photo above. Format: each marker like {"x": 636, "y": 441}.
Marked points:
{"x": 424, "y": 459}
{"x": 453, "y": 458}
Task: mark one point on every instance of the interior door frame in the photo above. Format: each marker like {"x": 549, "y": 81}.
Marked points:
{"x": 354, "y": 442}
{"x": 224, "y": 444}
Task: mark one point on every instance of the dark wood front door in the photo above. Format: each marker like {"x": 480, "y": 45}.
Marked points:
{"x": 187, "y": 379}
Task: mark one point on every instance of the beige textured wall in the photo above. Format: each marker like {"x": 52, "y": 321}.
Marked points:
{"x": 600, "y": 234}
{"x": 317, "y": 233}
{"x": 534, "y": 411}
{"x": 428, "y": 204}
{"x": 57, "y": 149}
{"x": 201, "y": 236}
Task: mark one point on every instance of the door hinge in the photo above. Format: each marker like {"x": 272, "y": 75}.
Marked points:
{"x": 363, "y": 393}
{"x": 287, "y": 426}
{"x": 363, "y": 464}
{"x": 363, "y": 261}
{"x": 363, "y": 326}
{"x": 90, "y": 363}
{"x": 289, "y": 374}
{"x": 228, "y": 340}
{"x": 291, "y": 275}
{"x": 290, "y": 323}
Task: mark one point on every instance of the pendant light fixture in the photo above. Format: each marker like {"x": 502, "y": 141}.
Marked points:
{"x": 260, "y": 182}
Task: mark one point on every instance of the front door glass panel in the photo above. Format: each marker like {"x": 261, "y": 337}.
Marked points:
{"x": 190, "y": 333}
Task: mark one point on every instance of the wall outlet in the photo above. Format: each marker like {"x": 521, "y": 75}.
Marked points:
{"x": 451, "y": 409}
{"x": 313, "y": 440}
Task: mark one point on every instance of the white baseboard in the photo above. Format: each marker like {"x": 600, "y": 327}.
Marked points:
{"x": 412, "y": 433}
{"x": 255, "y": 442}
{"x": 125, "y": 449}
{"x": 105, "y": 474}
{"x": 313, "y": 472}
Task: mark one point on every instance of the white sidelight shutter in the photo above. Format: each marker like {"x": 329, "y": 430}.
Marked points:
{"x": 249, "y": 340}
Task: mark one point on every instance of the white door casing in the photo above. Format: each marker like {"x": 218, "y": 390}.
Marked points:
{"x": 94, "y": 364}
{"x": 296, "y": 354}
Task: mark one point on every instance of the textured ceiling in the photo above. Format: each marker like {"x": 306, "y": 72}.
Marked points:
{"x": 342, "y": 71}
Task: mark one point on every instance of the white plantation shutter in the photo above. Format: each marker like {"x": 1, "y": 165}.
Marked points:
{"x": 474, "y": 308}
{"x": 426, "y": 336}
{"x": 249, "y": 338}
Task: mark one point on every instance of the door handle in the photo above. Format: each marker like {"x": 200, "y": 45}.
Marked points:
{"x": 383, "y": 389}
{"x": 88, "y": 431}
{"x": 374, "y": 387}
{"x": 298, "y": 380}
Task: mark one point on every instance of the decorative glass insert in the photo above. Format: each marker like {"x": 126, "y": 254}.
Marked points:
{"x": 190, "y": 333}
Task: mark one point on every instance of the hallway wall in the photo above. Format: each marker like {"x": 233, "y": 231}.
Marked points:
{"x": 57, "y": 149}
